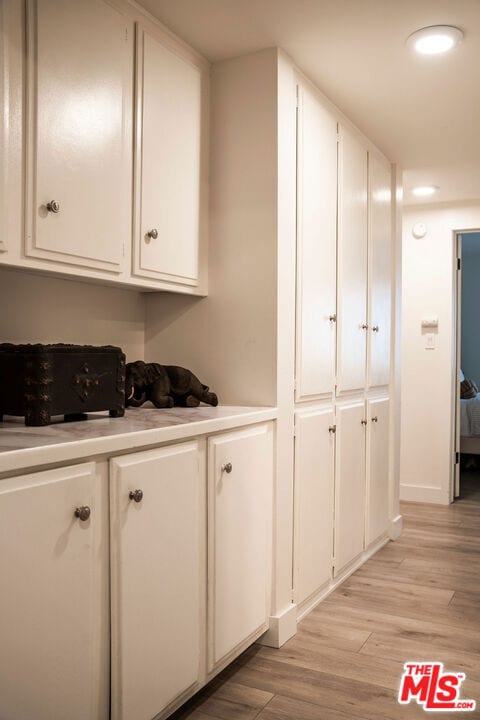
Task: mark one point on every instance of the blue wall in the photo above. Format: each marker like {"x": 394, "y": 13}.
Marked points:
{"x": 471, "y": 306}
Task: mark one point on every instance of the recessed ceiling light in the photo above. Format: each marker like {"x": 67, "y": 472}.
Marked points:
{"x": 424, "y": 190}
{"x": 435, "y": 40}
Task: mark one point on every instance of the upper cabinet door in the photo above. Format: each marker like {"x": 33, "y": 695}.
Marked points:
{"x": 169, "y": 163}
{"x": 78, "y": 133}
{"x": 380, "y": 272}
{"x": 316, "y": 248}
{"x": 352, "y": 264}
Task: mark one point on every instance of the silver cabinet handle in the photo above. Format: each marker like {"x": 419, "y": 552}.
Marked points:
{"x": 136, "y": 495}
{"x": 152, "y": 234}
{"x": 53, "y": 206}
{"x": 82, "y": 513}
{"x": 227, "y": 467}
{"x": 364, "y": 326}
{"x": 374, "y": 418}
{"x": 375, "y": 328}
{"x": 332, "y": 429}
{"x": 364, "y": 422}
{"x": 332, "y": 318}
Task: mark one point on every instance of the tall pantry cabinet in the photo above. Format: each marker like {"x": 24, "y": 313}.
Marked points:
{"x": 300, "y": 274}
{"x": 342, "y": 372}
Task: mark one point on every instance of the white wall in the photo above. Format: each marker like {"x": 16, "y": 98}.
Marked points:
{"x": 428, "y": 376}
{"x": 48, "y": 310}
{"x": 229, "y": 338}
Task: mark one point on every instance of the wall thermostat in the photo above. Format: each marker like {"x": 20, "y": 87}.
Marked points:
{"x": 419, "y": 230}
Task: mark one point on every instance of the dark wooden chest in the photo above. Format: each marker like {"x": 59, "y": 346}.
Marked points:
{"x": 40, "y": 381}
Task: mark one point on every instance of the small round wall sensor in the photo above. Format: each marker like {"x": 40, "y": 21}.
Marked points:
{"x": 419, "y": 230}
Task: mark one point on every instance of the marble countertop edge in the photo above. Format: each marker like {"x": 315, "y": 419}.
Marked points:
{"x": 30, "y": 449}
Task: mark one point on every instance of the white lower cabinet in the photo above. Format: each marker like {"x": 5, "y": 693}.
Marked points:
{"x": 314, "y": 494}
{"x": 54, "y": 599}
{"x": 377, "y": 517}
{"x": 349, "y": 484}
{"x": 239, "y": 538}
{"x": 158, "y": 500}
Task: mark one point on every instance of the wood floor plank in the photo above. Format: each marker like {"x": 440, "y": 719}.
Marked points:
{"x": 331, "y": 635}
{"x": 284, "y": 708}
{"x": 305, "y": 653}
{"x": 393, "y": 646}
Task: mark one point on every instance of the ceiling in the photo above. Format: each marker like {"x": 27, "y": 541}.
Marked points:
{"x": 423, "y": 112}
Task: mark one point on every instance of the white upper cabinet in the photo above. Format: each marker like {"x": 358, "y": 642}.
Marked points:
{"x": 78, "y": 133}
{"x": 316, "y": 248}
{"x": 170, "y": 159}
{"x": 380, "y": 272}
{"x": 352, "y": 264}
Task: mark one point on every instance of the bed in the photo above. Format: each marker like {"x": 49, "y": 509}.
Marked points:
{"x": 470, "y": 425}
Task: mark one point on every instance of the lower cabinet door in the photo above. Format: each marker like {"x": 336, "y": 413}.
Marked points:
{"x": 349, "y": 484}
{"x": 54, "y": 597}
{"x": 158, "y": 578}
{"x": 314, "y": 497}
{"x": 239, "y": 536}
{"x": 377, "y": 469}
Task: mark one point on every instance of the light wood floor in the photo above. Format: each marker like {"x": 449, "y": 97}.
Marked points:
{"x": 417, "y": 599}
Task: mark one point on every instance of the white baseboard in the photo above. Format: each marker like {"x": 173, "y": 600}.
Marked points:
{"x": 396, "y": 527}
{"x": 282, "y": 627}
{"x": 422, "y": 494}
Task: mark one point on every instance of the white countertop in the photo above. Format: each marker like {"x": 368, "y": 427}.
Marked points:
{"x": 27, "y": 448}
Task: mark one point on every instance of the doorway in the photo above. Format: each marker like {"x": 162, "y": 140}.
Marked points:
{"x": 467, "y": 386}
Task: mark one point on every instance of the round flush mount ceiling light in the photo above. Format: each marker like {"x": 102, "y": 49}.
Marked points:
{"x": 424, "y": 190}
{"x": 435, "y": 39}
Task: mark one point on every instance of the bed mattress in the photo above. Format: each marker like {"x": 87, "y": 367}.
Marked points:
{"x": 470, "y": 417}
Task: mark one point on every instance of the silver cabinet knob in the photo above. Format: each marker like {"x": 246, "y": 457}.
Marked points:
{"x": 136, "y": 495}
{"x": 375, "y": 328}
{"x": 83, "y": 512}
{"x": 364, "y": 326}
{"x": 53, "y": 206}
{"x": 227, "y": 467}
{"x": 152, "y": 234}
{"x": 364, "y": 422}
{"x": 332, "y": 318}
{"x": 374, "y": 418}
{"x": 332, "y": 429}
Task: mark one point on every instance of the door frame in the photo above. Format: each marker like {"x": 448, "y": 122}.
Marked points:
{"x": 457, "y": 356}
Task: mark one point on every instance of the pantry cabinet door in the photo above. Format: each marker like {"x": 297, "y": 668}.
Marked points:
{"x": 352, "y": 264}
{"x": 316, "y": 248}
{"x": 168, "y": 203}
{"x": 314, "y": 499}
{"x": 54, "y": 599}
{"x": 380, "y": 272}
{"x": 239, "y": 538}
{"x": 79, "y": 60}
{"x": 377, "y": 517}
{"x": 158, "y": 552}
{"x": 349, "y": 484}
